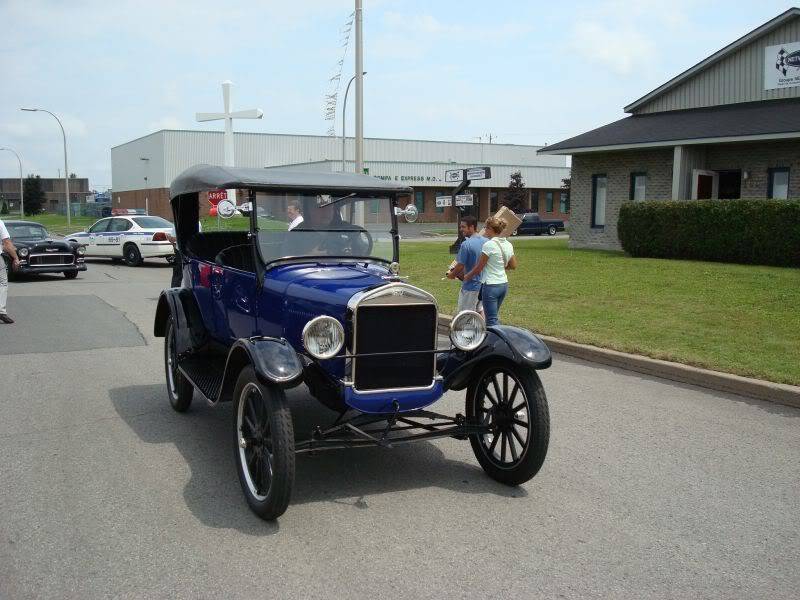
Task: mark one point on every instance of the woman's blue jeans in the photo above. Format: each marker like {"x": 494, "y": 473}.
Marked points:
{"x": 492, "y": 296}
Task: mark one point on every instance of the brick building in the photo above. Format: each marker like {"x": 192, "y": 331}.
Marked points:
{"x": 53, "y": 188}
{"x": 727, "y": 128}
{"x": 142, "y": 169}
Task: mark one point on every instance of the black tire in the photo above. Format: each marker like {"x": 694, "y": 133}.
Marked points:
{"x": 179, "y": 389}
{"x": 131, "y": 254}
{"x": 518, "y": 415}
{"x": 70, "y": 274}
{"x": 263, "y": 445}
{"x": 171, "y": 259}
{"x": 552, "y": 230}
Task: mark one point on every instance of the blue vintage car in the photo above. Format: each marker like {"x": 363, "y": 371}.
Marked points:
{"x": 323, "y": 304}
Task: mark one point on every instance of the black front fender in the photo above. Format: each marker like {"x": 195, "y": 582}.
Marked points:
{"x": 513, "y": 344}
{"x": 190, "y": 332}
{"x": 274, "y": 360}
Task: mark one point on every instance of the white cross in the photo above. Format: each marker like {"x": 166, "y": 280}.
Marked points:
{"x": 228, "y": 116}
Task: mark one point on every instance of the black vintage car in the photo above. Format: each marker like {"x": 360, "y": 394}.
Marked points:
{"x": 39, "y": 253}
{"x": 533, "y": 224}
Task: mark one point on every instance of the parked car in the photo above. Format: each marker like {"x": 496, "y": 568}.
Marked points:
{"x": 40, "y": 253}
{"x": 130, "y": 238}
{"x": 267, "y": 309}
{"x": 533, "y": 224}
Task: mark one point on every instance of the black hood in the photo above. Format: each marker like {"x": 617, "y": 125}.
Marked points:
{"x": 43, "y": 246}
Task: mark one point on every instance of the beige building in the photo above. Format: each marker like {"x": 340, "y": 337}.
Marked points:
{"x": 729, "y": 127}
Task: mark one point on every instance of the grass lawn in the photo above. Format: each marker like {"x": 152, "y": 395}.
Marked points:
{"x": 733, "y": 318}
{"x": 57, "y": 224}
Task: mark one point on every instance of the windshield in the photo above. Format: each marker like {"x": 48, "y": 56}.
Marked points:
{"x": 26, "y": 231}
{"x": 295, "y": 225}
{"x": 151, "y": 222}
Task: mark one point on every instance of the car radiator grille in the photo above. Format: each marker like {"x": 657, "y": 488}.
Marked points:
{"x": 50, "y": 259}
{"x": 394, "y": 328}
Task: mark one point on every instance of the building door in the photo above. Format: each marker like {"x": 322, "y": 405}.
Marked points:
{"x": 730, "y": 185}
{"x": 705, "y": 184}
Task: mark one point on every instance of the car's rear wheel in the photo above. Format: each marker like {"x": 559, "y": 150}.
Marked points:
{"x": 179, "y": 389}
{"x": 131, "y": 254}
{"x": 510, "y": 400}
{"x": 552, "y": 230}
{"x": 70, "y": 274}
{"x": 263, "y": 445}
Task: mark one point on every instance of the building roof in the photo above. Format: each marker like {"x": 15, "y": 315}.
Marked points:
{"x": 716, "y": 57}
{"x": 201, "y": 178}
{"x": 754, "y": 121}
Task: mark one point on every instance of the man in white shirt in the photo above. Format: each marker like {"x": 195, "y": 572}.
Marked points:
{"x": 294, "y": 215}
{"x": 9, "y": 249}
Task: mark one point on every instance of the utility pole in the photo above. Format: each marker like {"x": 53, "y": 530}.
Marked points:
{"x": 66, "y": 169}
{"x": 359, "y": 90}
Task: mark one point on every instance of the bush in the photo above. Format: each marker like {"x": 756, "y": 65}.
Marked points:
{"x": 763, "y": 232}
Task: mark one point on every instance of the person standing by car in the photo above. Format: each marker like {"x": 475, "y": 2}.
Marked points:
{"x": 9, "y": 249}
{"x": 497, "y": 255}
{"x": 294, "y": 215}
{"x": 466, "y": 259}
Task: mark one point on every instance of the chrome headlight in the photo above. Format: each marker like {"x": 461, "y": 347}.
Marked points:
{"x": 81, "y": 250}
{"x": 323, "y": 337}
{"x": 467, "y": 330}
{"x": 22, "y": 252}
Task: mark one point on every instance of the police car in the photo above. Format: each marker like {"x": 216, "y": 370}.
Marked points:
{"x": 128, "y": 238}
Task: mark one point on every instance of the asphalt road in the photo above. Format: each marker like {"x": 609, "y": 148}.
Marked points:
{"x": 650, "y": 489}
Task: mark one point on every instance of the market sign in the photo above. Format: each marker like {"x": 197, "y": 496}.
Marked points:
{"x": 473, "y": 174}
{"x": 782, "y": 66}
{"x": 216, "y": 196}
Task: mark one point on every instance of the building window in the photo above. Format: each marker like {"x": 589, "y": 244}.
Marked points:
{"x": 564, "y": 203}
{"x": 548, "y": 202}
{"x": 535, "y": 200}
{"x": 599, "y": 190}
{"x": 419, "y": 201}
{"x": 638, "y": 187}
{"x": 493, "y": 202}
{"x": 440, "y": 209}
{"x": 778, "y": 183}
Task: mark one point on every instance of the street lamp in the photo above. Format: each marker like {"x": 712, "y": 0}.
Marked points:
{"x": 344, "y": 114}
{"x": 66, "y": 170}
{"x": 21, "y": 190}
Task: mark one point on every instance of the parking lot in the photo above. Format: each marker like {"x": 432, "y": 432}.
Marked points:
{"x": 650, "y": 489}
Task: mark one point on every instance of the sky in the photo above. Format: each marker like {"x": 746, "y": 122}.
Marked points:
{"x": 527, "y": 72}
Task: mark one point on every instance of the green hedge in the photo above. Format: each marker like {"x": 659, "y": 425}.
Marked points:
{"x": 763, "y": 232}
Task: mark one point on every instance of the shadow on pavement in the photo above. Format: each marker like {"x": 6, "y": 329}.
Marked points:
{"x": 204, "y": 438}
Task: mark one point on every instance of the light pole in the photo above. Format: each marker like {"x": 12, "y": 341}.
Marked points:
{"x": 359, "y": 90}
{"x": 21, "y": 189}
{"x": 344, "y": 115}
{"x": 66, "y": 170}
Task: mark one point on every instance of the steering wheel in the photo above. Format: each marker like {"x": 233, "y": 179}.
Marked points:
{"x": 350, "y": 240}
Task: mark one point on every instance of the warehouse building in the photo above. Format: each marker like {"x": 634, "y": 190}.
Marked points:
{"x": 142, "y": 169}
{"x": 729, "y": 127}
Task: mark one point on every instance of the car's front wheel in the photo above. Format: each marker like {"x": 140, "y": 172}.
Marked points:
{"x": 263, "y": 445}
{"x": 70, "y": 274}
{"x": 179, "y": 389}
{"x": 510, "y": 400}
{"x": 551, "y": 230}
{"x": 133, "y": 258}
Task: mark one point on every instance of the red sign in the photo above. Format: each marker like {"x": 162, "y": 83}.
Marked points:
{"x": 217, "y": 196}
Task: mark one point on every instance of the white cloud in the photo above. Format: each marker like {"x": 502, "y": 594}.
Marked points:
{"x": 621, "y": 50}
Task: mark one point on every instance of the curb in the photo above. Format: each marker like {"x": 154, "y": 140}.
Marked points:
{"x": 779, "y": 393}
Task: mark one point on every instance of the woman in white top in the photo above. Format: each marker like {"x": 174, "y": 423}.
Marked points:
{"x": 497, "y": 255}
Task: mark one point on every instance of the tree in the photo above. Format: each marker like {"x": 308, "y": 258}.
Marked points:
{"x": 3, "y": 206}
{"x": 34, "y": 196}
{"x": 515, "y": 197}
{"x": 566, "y": 183}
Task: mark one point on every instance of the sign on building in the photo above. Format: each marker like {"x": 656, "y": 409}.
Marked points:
{"x": 464, "y": 200}
{"x": 782, "y": 66}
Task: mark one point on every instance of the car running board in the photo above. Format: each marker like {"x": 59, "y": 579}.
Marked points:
{"x": 205, "y": 374}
